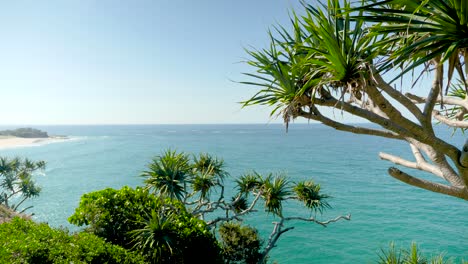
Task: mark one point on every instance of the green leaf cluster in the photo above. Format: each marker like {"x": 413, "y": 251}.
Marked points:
{"x": 413, "y": 255}
{"x": 276, "y": 189}
{"x": 179, "y": 176}
{"x": 16, "y": 181}
{"x": 24, "y": 241}
{"x": 160, "y": 229}
{"x": 241, "y": 244}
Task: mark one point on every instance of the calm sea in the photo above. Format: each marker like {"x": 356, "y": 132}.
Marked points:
{"x": 346, "y": 165}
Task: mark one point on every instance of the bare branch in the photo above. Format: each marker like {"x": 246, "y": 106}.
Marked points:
{"x": 460, "y": 192}
{"x": 391, "y": 111}
{"x": 324, "y": 224}
{"x": 235, "y": 215}
{"x": 449, "y": 100}
{"x": 421, "y": 165}
{"x": 417, "y": 153}
{"x": 317, "y": 116}
{"x": 368, "y": 115}
{"x": 449, "y": 122}
{"x": 398, "y": 96}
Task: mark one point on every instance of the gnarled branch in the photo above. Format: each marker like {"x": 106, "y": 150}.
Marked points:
{"x": 419, "y": 165}
{"x": 460, "y": 192}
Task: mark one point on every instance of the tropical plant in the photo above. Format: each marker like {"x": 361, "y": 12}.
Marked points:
{"x": 159, "y": 229}
{"x": 412, "y": 255}
{"x": 167, "y": 174}
{"x": 24, "y": 241}
{"x": 348, "y": 58}
{"x": 16, "y": 181}
{"x": 204, "y": 197}
{"x": 241, "y": 244}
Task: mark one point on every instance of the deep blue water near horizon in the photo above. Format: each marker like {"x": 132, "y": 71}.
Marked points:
{"x": 346, "y": 165}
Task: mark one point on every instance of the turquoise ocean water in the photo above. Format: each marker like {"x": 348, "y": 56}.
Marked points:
{"x": 346, "y": 165}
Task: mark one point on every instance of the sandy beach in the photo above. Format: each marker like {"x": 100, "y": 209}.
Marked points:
{"x": 13, "y": 142}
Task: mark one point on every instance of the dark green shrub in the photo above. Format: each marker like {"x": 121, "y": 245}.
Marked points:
{"x": 240, "y": 244}
{"x": 161, "y": 229}
{"x": 111, "y": 213}
{"x": 24, "y": 241}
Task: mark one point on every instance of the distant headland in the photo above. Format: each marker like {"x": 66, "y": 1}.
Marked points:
{"x": 25, "y": 133}
{"x": 26, "y": 137}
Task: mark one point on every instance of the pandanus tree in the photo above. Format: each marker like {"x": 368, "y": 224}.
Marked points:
{"x": 202, "y": 190}
{"x": 350, "y": 58}
{"x": 16, "y": 181}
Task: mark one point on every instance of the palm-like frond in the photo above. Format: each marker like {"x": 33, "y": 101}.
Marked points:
{"x": 274, "y": 191}
{"x": 156, "y": 238}
{"x": 16, "y": 178}
{"x": 249, "y": 182}
{"x": 327, "y": 50}
{"x": 203, "y": 183}
{"x": 239, "y": 204}
{"x": 309, "y": 193}
{"x": 208, "y": 164}
{"x": 421, "y": 31}
{"x": 167, "y": 174}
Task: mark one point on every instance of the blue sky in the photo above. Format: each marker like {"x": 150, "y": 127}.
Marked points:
{"x": 131, "y": 62}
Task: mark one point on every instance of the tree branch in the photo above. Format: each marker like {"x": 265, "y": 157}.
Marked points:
{"x": 317, "y": 116}
{"x": 370, "y": 116}
{"x": 420, "y": 165}
{"x": 449, "y": 122}
{"x": 324, "y": 224}
{"x": 398, "y": 96}
{"x": 434, "y": 92}
{"x": 236, "y": 215}
{"x": 428, "y": 185}
{"x": 449, "y": 100}
{"x": 393, "y": 114}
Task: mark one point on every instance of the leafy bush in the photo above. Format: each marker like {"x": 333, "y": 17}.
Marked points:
{"x": 112, "y": 214}
{"x": 240, "y": 244}
{"x": 161, "y": 229}
{"x": 24, "y": 241}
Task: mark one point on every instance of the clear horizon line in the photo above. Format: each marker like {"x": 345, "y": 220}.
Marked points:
{"x": 173, "y": 124}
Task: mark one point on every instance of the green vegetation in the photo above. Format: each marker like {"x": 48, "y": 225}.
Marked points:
{"x": 181, "y": 215}
{"x": 174, "y": 217}
{"x": 339, "y": 58}
{"x": 23, "y": 241}
{"x": 16, "y": 183}
{"x": 411, "y": 256}
{"x": 25, "y": 133}
{"x": 160, "y": 229}
{"x": 241, "y": 244}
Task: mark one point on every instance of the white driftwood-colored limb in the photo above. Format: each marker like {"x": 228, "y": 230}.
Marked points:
{"x": 459, "y": 192}
{"x": 397, "y": 95}
{"x": 446, "y": 100}
{"x": 417, "y": 153}
{"x": 449, "y": 122}
{"x": 322, "y": 223}
{"x": 420, "y": 165}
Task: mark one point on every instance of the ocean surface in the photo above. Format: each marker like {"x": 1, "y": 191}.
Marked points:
{"x": 346, "y": 165}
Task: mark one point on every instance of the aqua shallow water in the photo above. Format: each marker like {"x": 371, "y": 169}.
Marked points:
{"x": 347, "y": 166}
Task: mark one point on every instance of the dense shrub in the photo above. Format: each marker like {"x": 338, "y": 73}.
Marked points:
{"x": 24, "y": 241}
{"x": 112, "y": 214}
{"x": 161, "y": 229}
{"x": 240, "y": 244}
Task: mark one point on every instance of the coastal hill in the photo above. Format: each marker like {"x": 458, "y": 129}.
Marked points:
{"x": 25, "y": 133}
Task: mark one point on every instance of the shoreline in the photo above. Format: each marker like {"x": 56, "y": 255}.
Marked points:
{"x": 8, "y": 142}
